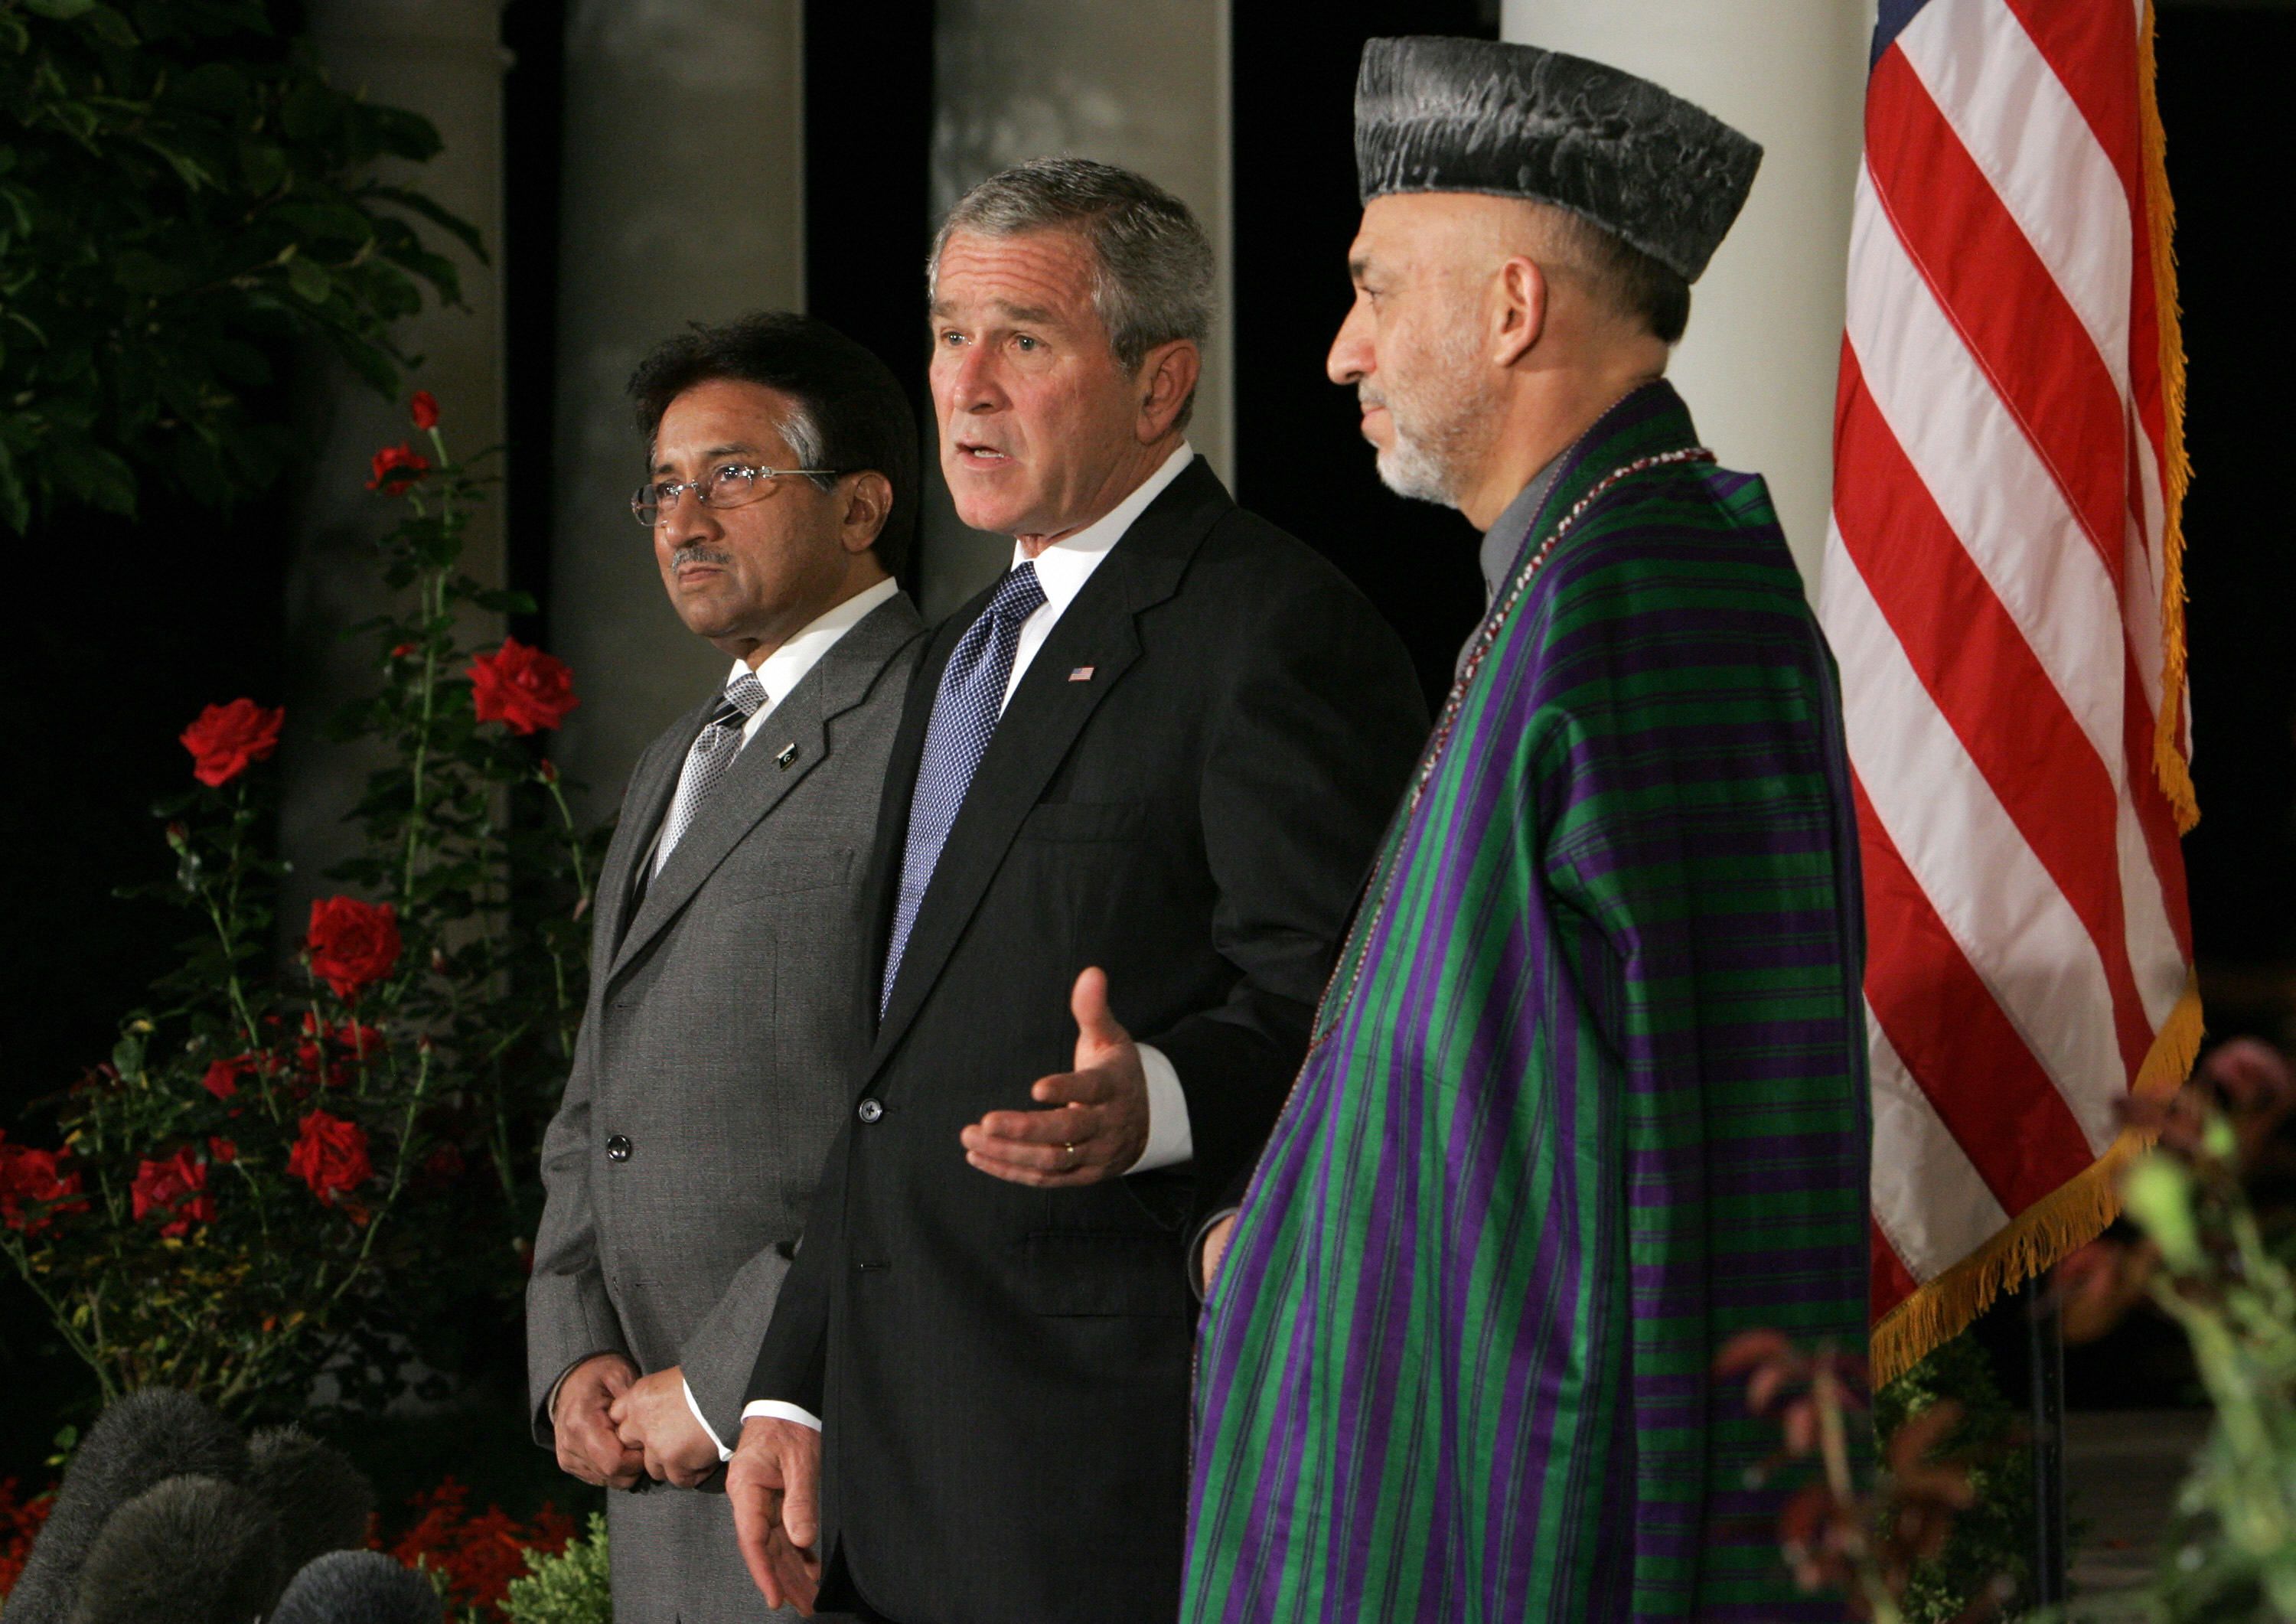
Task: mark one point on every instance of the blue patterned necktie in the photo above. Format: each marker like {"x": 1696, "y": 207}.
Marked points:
{"x": 713, "y": 751}
{"x": 965, "y": 713}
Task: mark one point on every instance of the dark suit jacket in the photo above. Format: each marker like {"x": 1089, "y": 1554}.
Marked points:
{"x": 708, "y": 1082}
{"x": 1004, "y": 1371}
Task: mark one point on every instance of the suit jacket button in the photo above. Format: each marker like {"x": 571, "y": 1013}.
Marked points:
{"x": 869, "y": 1110}
{"x": 618, "y": 1148}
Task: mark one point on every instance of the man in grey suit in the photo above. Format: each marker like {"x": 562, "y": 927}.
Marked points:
{"x": 726, "y": 996}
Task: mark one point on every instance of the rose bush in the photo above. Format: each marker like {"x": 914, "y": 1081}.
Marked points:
{"x": 329, "y": 1163}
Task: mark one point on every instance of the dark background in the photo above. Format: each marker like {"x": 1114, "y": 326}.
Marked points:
{"x": 126, "y": 629}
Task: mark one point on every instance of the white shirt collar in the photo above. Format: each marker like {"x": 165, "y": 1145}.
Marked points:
{"x": 783, "y": 669}
{"x": 1064, "y": 567}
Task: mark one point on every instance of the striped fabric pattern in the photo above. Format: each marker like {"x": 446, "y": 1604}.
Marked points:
{"x": 2002, "y": 587}
{"x": 1587, "y": 1097}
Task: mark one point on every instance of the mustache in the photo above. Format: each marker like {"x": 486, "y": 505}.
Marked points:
{"x": 1368, "y": 396}
{"x": 694, "y": 553}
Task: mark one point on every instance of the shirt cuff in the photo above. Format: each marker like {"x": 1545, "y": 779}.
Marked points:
{"x": 724, "y": 1454}
{"x": 774, "y": 1410}
{"x": 1169, "y": 1141}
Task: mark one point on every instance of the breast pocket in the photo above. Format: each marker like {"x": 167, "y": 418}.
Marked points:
{"x": 1078, "y": 821}
{"x": 791, "y": 870}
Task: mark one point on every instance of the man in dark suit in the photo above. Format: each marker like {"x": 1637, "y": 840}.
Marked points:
{"x": 725, "y": 1011}
{"x": 1139, "y": 776}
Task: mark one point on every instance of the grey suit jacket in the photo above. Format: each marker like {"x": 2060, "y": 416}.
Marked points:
{"x": 726, "y": 1012}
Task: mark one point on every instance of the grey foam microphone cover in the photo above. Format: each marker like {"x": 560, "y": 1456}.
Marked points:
{"x": 142, "y": 1441}
{"x": 357, "y": 1587}
{"x": 193, "y": 1550}
{"x": 321, "y": 1500}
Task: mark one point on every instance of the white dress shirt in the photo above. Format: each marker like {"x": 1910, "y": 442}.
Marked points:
{"x": 781, "y": 671}
{"x": 1063, "y": 568}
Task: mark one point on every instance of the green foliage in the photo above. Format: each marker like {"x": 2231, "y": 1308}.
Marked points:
{"x": 284, "y": 1171}
{"x": 1991, "y": 1541}
{"x": 183, "y": 197}
{"x": 570, "y": 1587}
{"x": 2230, "y": 1552}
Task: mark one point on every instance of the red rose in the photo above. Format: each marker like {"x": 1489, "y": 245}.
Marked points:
{"x": 523, "y": 687}
{"x": 423, "y": 408}
{"x": 222, "y": 1079}
{"x": 362, "y": 1042}
{"x": 329, "y": 1155}
{"x": 27, "y": 1175}
{"x": 222, "y": 1148}
{"x": 176, "y": 1189}
{"x": 353, "y": 943}
{"x": 400, "y": 651}
{"x": 397, "y": 468}
{"x": 226, "y": 738}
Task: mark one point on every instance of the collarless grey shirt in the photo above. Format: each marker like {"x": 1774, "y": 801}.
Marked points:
{"x": 1503, "y": 542}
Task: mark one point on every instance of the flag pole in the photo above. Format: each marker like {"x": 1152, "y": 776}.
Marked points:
{"x": 2045, "y": 1346}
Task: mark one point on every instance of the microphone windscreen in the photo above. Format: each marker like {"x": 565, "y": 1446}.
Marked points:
{"x": 195, "y": 1550}
{"x": 358, "y": 1588}
{"x": 143, "y": 1439}
{"x": 321, "y": 1500}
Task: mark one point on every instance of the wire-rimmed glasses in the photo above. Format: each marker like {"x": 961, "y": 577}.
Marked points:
{"x": 727, "y": 485}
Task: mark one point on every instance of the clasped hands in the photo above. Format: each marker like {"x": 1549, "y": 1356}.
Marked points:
{"x": 1094, "y": 1124}
{"x": 613, "y": 1426}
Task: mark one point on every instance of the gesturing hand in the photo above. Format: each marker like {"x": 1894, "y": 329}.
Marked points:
{"x": 588, "y": 1444}
{"x": 653, "y": 1418}
{"x": 1096, "y": 1123}
{"x": 775, "y": 1484}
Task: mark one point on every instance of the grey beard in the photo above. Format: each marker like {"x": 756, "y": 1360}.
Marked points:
{"x": 1411, "y": 469}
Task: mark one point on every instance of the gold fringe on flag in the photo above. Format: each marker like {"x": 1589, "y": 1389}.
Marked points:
{"x": 2057, "y": 1224}
{"x": 2160, "y": 224}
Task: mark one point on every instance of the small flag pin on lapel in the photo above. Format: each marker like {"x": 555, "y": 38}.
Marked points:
{"x": 1081, "y": 674}
{"x": 788, "y": 755}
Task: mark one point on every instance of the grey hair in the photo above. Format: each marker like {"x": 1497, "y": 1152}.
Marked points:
{"x": 807, "y": 444}
{"x": 1152, "y": 261}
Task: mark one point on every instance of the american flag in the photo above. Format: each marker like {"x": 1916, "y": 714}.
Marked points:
{"x": 2002, "y": 589}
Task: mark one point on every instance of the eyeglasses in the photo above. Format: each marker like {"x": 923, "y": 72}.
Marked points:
{"x": 727, "y": 485}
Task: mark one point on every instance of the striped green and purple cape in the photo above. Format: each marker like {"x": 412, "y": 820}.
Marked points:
{"x": 1587, "y": 1097}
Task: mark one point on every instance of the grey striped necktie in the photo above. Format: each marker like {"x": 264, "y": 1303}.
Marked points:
{"x": 713, "y": 752}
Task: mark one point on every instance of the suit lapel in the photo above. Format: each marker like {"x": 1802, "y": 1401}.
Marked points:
{"x": 1038, "y": 729}
{"x": 785, "y": 750}
{"x": 650, "y": 788}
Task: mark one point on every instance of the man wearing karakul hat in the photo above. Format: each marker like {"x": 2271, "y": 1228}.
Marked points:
{"x": 1586, "y": 1096}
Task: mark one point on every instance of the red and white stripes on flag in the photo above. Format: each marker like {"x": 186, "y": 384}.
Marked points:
{"x": 2002, "y": 590}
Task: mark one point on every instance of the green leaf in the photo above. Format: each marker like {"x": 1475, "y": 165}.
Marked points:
{"x": 63, "y": 11}
{"x": 261, "y": 166}
{"x": 415, "y": 203}
{"x": 109, "y": 26}
{"x": 310, "y": 282}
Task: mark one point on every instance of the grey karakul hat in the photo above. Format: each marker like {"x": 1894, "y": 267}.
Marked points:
{"x": 1435, "y": 114}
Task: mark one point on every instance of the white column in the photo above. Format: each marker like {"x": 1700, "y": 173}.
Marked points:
{"x": 1758, "y": 362}
{"x": 682, "y": 200}
{"x": 442, "y": 59}
{"x": 1145, "y": 86}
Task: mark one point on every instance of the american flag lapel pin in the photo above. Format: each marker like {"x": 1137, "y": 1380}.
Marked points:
{"x": 1081, "y": 674}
